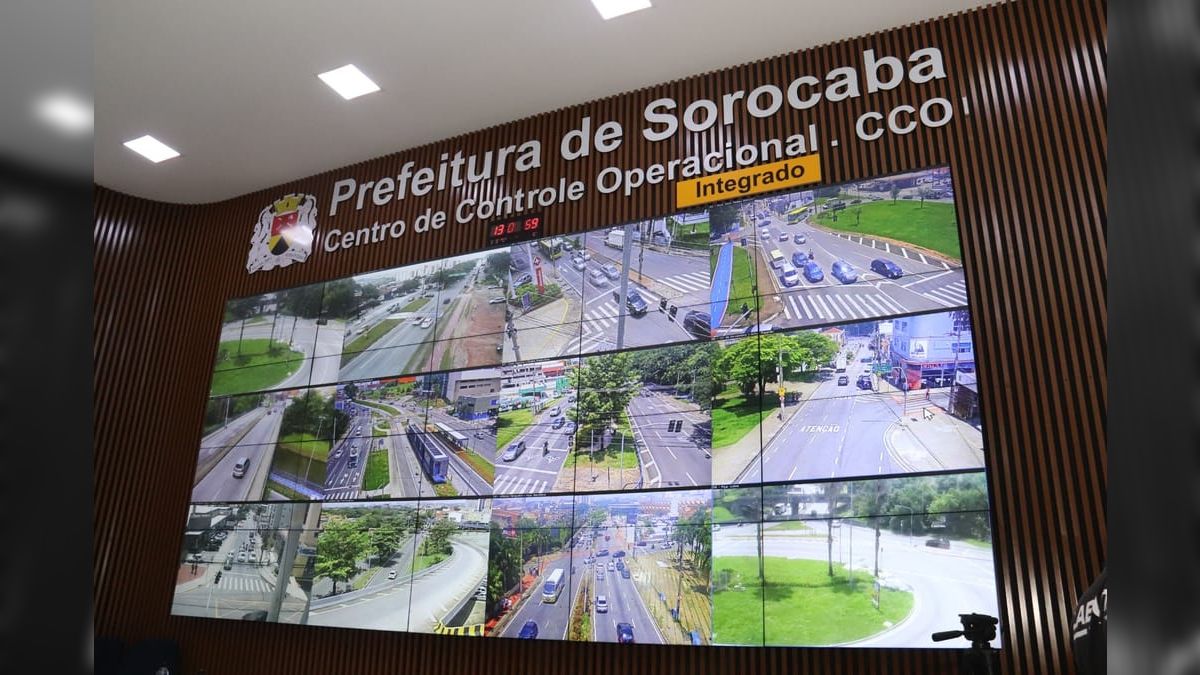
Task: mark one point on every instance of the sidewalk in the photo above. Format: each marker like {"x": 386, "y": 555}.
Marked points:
{"x": 937, "y": 440}
{"x": 540, "y": 333}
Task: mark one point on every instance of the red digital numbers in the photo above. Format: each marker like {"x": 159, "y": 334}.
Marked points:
{"x": 532, "y": 223}
{"x": 516, "y": 230}
{"x": 498, "y": 230}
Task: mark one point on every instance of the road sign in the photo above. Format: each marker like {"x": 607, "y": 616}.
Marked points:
{"x": 537, "y": 260}
{"x": 881, "y": 369}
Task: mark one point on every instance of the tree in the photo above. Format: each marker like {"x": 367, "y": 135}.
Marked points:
{"x": 242, "y": 308}
{"x": 385, "y": 540}
{"x": 438, "y": 537}
{"x": 304, "y": 302}
{"x": 497, "y": 264}
{"x": 340, "y": 546}
{"x": 351, "y": 391}
{"x": 312, "y": 414}
{"x": 606, "y": 384}
{"x": 722, "y": 217}
{"x": 340, "y": 300}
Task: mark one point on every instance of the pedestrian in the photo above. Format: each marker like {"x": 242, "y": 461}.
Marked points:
{"x": 926, "y": 393}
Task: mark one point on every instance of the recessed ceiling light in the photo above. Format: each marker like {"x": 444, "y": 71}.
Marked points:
{"x": 66, "y": 112}
{"x": 151, "y": 148}
{"x": 348, "y": 81}
{"x": 613, "y": 8}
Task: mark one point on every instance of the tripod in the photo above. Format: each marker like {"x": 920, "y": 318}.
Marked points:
{"x": 980, "y": 629}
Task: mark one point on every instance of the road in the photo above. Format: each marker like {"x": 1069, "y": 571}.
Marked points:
{"x": 258, "y": 445}
{"x": 241, "y": 589}
{"x": 463, "y": 476}
{"x": 553, "y": 618}
{"x": 382, "y": 604}
{"x": 344, "y": 471}
{"x": 842, "y": 431}
{"x": 927, "y": 284}
{"x": 400, "y": 350}
{"x": 321, "y": 346}
{"x": 944, "y": 582}
{"x": 671, "y": 458}
{"x": 438, "y": 590}
{"x": 625, "y": 605}
{"x": 532, "y": 472}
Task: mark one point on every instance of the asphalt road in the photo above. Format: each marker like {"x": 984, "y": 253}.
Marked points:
{"x": 397, "y": 352}
{"x": 343, "y": 481}
{"x": 382, "y": 604}
{"x": 463, "y": 475}
{"x": 437, "y": 591}
{"x": 553, "y": 618}
{"x": 532, "y": 472}
{"x": 671, "y": 458}
{"x": 927, "y": 283}
{"x": 258, "y": 445}
{"x": 624, "y": 606}
{"x": 944, "y": 582}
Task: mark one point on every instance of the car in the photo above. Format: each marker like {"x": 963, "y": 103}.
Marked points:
{"x": 601, "y": 604}
{"x": 783, "y": 236}
{"x": 625, "y": 573}
{"x": 392, "y": 575}
{"x": 600, "y": 572}
{"x": 597, "y": 278}
{"x": 625, "y": 633}
{"x": 610, "y": 270}
{"x": 529, "y": 631}
{"x": 570, "y": 427}
{"x": 619, "y": 554}
{"x": 812, "y": 272}
{"x": 579, "y": 264}
{"x": 601, "y": 553}
{"x": 799, "y": 258}
{"x": 556, "y": 411}
{"x": 239, "y": 469}
{"x": 844, "y": 272}
{"x": 620, "y": 565}
{"x": 788, "y": 276}
{"x": 843, "y": 380}
{"x": 766, "y": 233}
{"x": 611, "y": 566}
{"x": 697, "y": 324}
{"x": 241, "y": 556}
{"x": 526, "y": 278}
{"x": 571, "y": 398}
{"x": 634, "y": 302}
{"x": 514, "y": 451}
{"x": 558, "y": 423}
{"x": 253, "y": 557}
{"x": 938, "y": 542}
{"x": 496, "y": 300}
{"x": 427, "y": 322}
{"x": 446, "y": 301}
{"x": 886, "y": 268}
{"x": 863, "y": 382}
{"x": 228, "y": 564}
{"x": 799, "y": 239}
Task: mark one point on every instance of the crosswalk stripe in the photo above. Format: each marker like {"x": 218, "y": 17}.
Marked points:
{"x": 826, "y": 312}
{"x": 863, "y": 308}
{"x": 894, "y": 307}
{"x": 814, "y": 310}
{"x": 842, "y": 301}
{"x": 932, "y": 295}
{"x": 950, "y": 295}
{"x": 870, "y": 300}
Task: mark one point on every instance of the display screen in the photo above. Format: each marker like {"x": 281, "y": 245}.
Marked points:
{"x": 755, "y": 424}
{"x": 514, "y": 230}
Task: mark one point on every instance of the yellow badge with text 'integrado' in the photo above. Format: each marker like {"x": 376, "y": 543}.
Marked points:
{"x": 753, "y": 180}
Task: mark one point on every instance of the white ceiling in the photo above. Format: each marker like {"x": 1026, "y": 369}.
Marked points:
{"x": 233, "y": 87}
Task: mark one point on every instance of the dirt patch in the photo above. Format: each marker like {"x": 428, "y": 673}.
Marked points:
{"x": 474, "y": 329}
{"x": 769, "y": 303}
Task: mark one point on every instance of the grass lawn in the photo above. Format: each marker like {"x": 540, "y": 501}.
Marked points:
{"x": 684, "y": 234}
{"x": 738, "y": 607}
{"x": 376, "y": 475}
{"x": 257, "y": 367}
{"x": 415, "y": 304}
{"x": 380, "y": 406}
{"x": 610, "y": 457}
{"x": 723, "y": 515}
{"x": 978, "y": 542}
{"x": 932, "y": 226}
{"x": 445, "y": 490}
{"x": 423, "y": 561}
{"x": 364, "y": 341}
{"x": 741, "y": 286}
{"x": 306, "y": 445}
{"x": 733, "y": 417}
{"x": 363, "y": 579}
{"x": 788, "y": 525}
{"x": 376, "y": 432}
{"x": 511, "y": 423}
{"x": 482, "y": 466}
{"x": 285, "y": 492}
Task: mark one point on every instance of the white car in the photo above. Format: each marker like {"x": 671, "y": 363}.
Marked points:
{"x": 392, "y": 575}
{"x": 601, "y": 604}
{"x": 427, "y": 323}
{"x": 496, "y": 300}
{"x": 766, "y": 233}
{"x": 597, "y": 278}
{"x": 579, "y": 264}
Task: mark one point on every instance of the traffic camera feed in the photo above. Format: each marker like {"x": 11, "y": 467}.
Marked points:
{"x": 753, "y": 424}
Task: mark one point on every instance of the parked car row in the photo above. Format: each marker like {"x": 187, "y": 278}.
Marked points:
{"x": 841, "y": 270}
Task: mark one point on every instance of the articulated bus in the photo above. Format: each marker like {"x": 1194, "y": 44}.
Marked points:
{"x": 433, "y": 460}
{"x": 796, "y": 215}
{"x": 553, "y": 586}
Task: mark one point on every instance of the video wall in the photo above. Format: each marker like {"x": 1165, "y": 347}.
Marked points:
{"x": 753, "y": 424}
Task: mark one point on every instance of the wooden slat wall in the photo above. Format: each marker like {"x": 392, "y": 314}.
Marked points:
{"x": 1029, "y": 166}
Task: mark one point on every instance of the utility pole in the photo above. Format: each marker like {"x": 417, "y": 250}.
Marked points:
{"x": 779, "y": 379}
{"x": 626, "y": 253}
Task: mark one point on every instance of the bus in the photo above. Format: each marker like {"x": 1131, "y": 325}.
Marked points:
{"x": 796, "y": 215}
{"x": 433, "y": 460}
{"x": 777, "y": 259}
{"x": 553, "y": 586}
{"x": 454, "y": 438}
{"x": 551, "y": 248}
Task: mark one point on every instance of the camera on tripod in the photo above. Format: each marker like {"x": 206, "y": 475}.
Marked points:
{"x": 980, "y": 629}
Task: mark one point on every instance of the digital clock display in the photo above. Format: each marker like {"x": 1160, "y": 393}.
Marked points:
{"x": 513, "y": 230}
